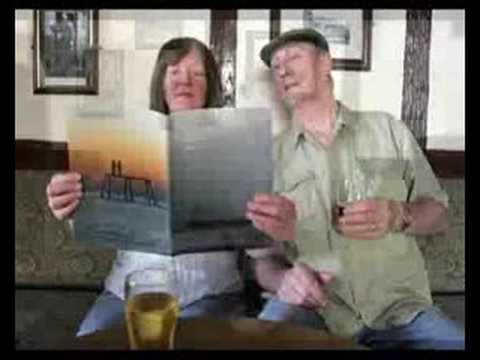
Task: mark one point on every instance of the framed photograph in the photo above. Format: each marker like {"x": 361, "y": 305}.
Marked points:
{"x": 65, "y": 52}
{"x": 348, "y": 33}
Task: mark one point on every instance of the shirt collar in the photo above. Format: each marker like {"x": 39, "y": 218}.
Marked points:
{"x": 341, "y": 121}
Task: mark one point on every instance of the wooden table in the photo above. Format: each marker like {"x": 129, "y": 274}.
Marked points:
{"x": 229, "y": 334}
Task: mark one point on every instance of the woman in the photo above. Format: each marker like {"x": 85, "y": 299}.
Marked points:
{"x": 185, "y": 77}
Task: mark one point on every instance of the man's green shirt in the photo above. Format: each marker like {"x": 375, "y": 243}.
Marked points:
{"x": 378, "y": 283}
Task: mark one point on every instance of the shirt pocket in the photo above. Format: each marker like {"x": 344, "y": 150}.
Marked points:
{"x": 385, "y": 177}
{"x": 300, "y": 188}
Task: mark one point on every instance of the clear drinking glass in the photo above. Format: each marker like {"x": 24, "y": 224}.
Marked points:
{"x": 347, "y": 191}
{"x": 151, "y": 309}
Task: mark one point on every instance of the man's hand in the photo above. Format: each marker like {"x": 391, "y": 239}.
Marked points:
{"x": 64, "y": 193}
{"x": 369, "y": 219}
{"x": 274, "y": 215}
{"x": 303, "y": 286}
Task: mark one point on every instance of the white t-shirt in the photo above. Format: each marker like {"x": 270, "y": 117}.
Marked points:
{"x": 196, "y": 275}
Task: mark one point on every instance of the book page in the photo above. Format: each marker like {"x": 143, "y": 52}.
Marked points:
{"x": 124, "y": 167}
{"x": 174, "y": 184}
{"x": 219, "y": 159}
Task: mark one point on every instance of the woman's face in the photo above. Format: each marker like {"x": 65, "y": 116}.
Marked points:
{"x": 185, "y": 84}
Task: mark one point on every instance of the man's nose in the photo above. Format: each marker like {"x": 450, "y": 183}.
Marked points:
{"x": 283, "y": 70}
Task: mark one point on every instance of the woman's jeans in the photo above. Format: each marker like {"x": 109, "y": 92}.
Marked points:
{"x": 108, "y": 310}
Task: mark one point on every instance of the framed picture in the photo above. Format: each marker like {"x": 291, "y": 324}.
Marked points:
{"x": 65, "y": 52}
{"x": 348, "y": 33}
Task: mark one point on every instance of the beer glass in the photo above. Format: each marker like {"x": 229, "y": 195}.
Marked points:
{"x": 151, "y": 309}
{"x": 343, "y": 192}
{"x": 349, "y": 190}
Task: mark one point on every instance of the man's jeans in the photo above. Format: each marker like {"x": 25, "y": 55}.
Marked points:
{"x": 430, "y": 329}
{"x": 108, "y": 310}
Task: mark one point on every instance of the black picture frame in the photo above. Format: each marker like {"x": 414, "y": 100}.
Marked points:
{"x": 65, "y": 52}
{"x": 361, "y": 63}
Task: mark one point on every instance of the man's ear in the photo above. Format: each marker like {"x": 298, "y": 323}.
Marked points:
{"x": 324, "y": 62}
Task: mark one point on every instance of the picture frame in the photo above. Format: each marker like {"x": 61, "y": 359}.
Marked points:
{"x": 348, "y": 32}
{"x": 65, "y": 52}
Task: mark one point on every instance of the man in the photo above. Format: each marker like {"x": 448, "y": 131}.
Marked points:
{"x": 356, "y": 189}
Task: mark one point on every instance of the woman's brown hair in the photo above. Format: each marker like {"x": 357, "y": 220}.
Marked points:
{"x": 171, "y": 53}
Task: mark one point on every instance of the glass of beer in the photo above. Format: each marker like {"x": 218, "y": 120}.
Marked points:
{"x": 343, "y": 192}
{"x": 151, "y": 309}
{"x": 350, "y": 190}
{"x": 347, "y": 191}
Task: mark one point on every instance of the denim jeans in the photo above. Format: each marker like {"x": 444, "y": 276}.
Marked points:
{"x": 430, "y": 329}
{"x": 108, "y": 310}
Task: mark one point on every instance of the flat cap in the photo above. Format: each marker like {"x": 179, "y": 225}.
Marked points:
{"x": 308, "y": 35}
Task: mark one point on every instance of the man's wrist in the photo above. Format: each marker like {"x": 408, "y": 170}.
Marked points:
{"x": 280, "y": 276}
{"x": 404, "y": 217}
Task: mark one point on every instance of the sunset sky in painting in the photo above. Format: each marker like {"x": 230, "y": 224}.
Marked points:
{"x": 142, "y": 148}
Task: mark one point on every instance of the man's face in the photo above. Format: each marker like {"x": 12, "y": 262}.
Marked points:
{"x": 185, "y": 83}
{"x": 297, "y": 68}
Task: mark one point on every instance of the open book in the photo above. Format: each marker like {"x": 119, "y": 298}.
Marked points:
{"x": 171, "y": 184}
